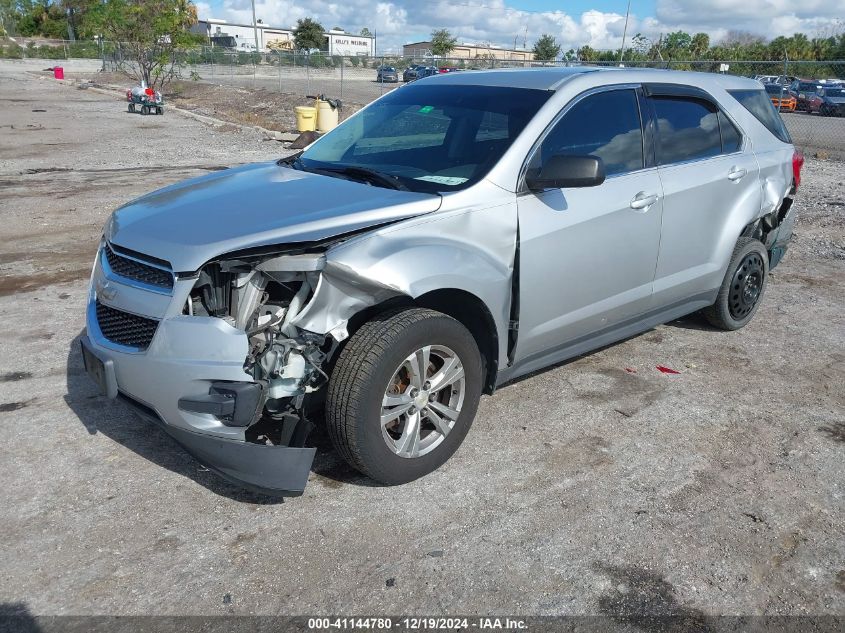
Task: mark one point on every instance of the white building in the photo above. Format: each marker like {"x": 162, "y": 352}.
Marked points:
{"x": 242, "y": 38}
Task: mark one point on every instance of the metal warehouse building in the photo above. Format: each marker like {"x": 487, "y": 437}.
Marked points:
{"x": 242, "y": 37}
{"x": 470, "y": 51}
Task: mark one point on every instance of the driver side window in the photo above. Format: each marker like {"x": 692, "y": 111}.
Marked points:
{"x": 605, "y": 124}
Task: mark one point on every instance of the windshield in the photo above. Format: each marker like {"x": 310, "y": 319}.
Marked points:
{"x": 430, "y": 137}
{"x": 775, "y": 89}
{"x": 807, "y": 87}
{"x": 834, "y": 92}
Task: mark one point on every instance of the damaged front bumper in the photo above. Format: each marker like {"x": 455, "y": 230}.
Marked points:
{"x": 186, "y": 361}
{"x": 271, "y": 470}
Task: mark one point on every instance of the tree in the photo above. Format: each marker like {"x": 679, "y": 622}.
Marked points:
{"x": 699, "y": 44}
{"x": 308, "y": 34}
{"x": 546, "y": 48}
{"x": 587, "y": 54}
{"x": 365, "y": 32}
{"x": 442, "y": 42}
{"x": 677, "y": 44}
{"x": 151, "y": 33}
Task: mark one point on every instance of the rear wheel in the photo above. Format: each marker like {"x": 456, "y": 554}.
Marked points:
{"x": 145, "y": 110}
{"x": 132, "y": 107}
{"x": 742, "y": 288}
{"x": 403, "y": 394}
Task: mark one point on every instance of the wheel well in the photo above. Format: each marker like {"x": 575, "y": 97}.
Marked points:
{"x": 462, "y": 306}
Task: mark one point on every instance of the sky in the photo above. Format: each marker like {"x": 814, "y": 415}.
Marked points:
{"x": 598, "y": 23}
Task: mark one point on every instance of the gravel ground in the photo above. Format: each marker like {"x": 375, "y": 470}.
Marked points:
{"x": 583, "y": 489}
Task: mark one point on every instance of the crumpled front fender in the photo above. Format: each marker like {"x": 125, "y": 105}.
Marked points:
{"x": 469, "y": 249}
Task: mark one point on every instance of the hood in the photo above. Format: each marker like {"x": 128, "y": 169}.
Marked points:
{"x": 193, "y": 221}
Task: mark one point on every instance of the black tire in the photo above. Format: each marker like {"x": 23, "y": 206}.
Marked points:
{"x": 360, "y": 378}
{"x": 132, "y": 108}
{"x": 743, "y": 286}
{"x": 145, "y": 110}
{"x": 159, "y": 111}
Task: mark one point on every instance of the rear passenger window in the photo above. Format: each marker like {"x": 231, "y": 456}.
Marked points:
{"x": 731, "y": 138}
{"x": 687, "y": 129}
{"x": 607, "y": 125}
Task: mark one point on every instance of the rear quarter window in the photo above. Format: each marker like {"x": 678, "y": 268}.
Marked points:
{"x": 757, "y": 102}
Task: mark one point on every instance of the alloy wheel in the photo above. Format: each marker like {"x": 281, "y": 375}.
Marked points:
{"x": 422, "y": 401}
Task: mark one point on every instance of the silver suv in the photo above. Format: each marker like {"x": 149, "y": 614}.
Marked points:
{"x": 453, "y": 235}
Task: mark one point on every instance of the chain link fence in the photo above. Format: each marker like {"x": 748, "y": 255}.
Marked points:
{"x": 358, "y": 80}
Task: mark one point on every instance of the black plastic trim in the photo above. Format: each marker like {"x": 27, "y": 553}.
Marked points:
{"x": 677, "y": 90}
{"x": 279, "y": 471}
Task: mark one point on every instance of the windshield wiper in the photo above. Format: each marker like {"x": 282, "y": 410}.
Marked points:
{"x": 353, "y": 171}
{"x": 366, "y": 174}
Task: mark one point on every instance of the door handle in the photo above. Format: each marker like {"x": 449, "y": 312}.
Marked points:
{"x": 643, "y": 200}
{"x": 736, "y": 173}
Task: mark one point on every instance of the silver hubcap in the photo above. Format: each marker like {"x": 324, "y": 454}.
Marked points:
{"x": 422, "y": 401}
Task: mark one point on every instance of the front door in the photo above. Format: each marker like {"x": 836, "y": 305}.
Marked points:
{"x": 588, "y": 255}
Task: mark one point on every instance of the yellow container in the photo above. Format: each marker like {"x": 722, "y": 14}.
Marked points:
{"x": 326, "y": 116}
{"x": 306, "y": 118}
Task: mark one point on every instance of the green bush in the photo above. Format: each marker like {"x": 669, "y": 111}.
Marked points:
{"x": 13, "y": 51}
{"x": 318, "y": 60}
{"x": 355, "y": 60}
{"x": 83, "y": 50}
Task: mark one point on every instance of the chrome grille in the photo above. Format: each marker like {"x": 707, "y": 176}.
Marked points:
{"x": 138, "y": 271}
{"x": 124, "y": 328}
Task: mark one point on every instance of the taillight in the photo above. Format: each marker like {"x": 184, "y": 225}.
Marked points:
{"x": 797, "y": 164}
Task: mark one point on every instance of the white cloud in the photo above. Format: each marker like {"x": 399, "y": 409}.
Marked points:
{"x": 768, "y": 18}
{"x": 401, "y": 21}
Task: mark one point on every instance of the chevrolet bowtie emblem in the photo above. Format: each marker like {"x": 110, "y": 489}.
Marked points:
{"x": 106, "y": 290}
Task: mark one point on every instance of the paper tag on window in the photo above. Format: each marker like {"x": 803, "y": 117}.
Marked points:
{"x": 443, "y": 180}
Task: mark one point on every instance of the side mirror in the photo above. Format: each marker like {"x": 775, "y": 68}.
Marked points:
{"x": 567, "y": 171}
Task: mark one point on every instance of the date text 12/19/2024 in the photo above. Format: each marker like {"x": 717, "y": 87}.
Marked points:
{"x": 417, "y": 624}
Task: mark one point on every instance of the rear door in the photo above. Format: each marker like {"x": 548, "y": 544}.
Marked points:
{"x": 708, "y": 172}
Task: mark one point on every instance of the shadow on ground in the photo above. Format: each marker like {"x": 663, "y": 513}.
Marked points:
{"x": 16, "y": 618}
{"x": 118, "y": 422}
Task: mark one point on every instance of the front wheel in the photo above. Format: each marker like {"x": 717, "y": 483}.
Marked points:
{"x": 743, "y": 286}
{"x": 403, "y": 394}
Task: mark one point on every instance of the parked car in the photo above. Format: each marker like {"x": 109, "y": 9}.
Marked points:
{"x": 448, "y": 69}
{"x": 785, "y": 80}
{"x": 802, "y": 90}
{"x": 427, "y": 71}
{"x": 410, "y": 73}
{"x": 829, "y": 101}
{"x": 446, "y": 239}
{"x": 387, "y": 74}
{"x": 781, "y": 97}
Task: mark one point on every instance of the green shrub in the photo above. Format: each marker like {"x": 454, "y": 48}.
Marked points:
{"x": 13, "y": 51}
{"x": 83, "y": 50}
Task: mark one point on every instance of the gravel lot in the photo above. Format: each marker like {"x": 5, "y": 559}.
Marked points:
{"x": 584, "y": 489}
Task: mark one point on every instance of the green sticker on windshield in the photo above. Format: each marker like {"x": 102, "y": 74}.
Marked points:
{"x": 426, "y": 109}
